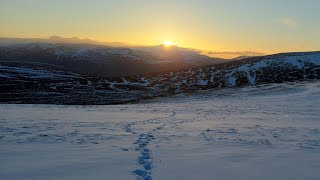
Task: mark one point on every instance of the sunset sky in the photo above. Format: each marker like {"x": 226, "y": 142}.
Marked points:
{"x": 267, "y": 26}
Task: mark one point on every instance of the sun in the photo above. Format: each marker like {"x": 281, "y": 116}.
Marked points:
{"x": 167, "y": 43}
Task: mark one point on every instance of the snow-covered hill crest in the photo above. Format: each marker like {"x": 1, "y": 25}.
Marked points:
{"x": 29, "y": 85}
{"x": 106, "y": 61}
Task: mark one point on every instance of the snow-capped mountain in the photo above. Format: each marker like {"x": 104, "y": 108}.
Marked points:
{"x": 85, "y": 52}
{"x": 175, "y": 53}
{"x": 103, "y": 60}
{"x": 91, "y": 52}
{"x": 23, "y": 83}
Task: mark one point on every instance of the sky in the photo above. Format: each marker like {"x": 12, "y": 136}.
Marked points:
{"x": 216, "y": 26}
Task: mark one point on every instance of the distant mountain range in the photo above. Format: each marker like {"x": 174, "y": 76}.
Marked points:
{"x": 76, "y": 40}
{"x": 22, "y": 82}
{"x": 105, "y": 61}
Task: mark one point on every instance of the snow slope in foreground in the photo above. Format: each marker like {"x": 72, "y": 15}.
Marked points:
{"x": 261, "y": 132}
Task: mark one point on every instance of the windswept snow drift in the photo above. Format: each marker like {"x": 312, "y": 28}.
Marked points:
{"x": 260, "y": 132}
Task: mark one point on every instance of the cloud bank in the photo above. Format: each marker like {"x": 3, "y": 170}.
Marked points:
{"x": 233, "y": 54}
{"x": 288, "y": 22}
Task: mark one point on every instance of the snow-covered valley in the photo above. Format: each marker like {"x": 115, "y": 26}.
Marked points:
{"x": 257, "y": 132}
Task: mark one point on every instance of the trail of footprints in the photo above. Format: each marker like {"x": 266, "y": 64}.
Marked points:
{"x": 145, "y": 156}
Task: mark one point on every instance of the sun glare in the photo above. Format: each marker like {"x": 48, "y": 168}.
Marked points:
{"x": 167, "y": 43}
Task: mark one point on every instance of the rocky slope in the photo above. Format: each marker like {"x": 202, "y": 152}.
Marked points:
{"x": 23, "y": 83}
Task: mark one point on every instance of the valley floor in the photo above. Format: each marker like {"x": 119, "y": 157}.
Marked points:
{"x": 260, "y": 132}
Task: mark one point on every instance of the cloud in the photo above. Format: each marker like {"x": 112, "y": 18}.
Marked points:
{"x": 76, "y": 40}
{"x": 288, "y": 22}
{"x": 233, "y": 54}
{"x": 59, "y": 39}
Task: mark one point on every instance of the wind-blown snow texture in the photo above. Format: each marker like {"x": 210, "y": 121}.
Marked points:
{"x": 259, "y": 132}
{"x": 30, "y": 85}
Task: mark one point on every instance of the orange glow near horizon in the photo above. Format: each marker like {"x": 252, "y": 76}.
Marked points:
{"x": 215, "y": 27}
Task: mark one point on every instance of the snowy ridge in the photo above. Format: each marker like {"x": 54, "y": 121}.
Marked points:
{"x": 93, "y": 52}
{"x": 175, "y": 53}
{"x": 82, "y": 51}
{"x": 96, "y": 90}
{"x": 104, "y": 61}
